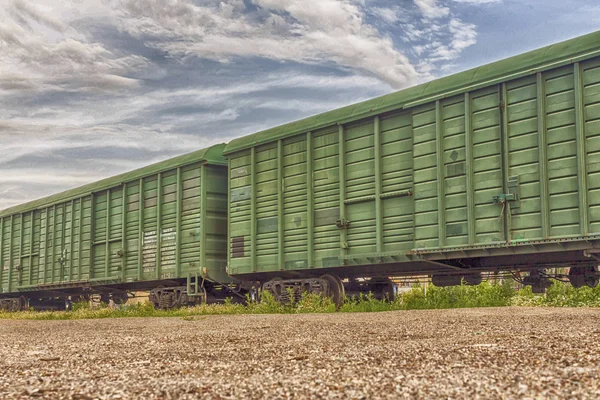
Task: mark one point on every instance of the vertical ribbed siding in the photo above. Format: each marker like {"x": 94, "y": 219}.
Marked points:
{"x": 294, "y": 202}
{"x": 487, "y": 164}
{"x": 239, "y": 213}
{"x": 132, "y": 236}
{"x": 266, "y": 206}
{"x": 523, "y": 149}
{"x": 425, "y": 177}
{"x": 397, "y": 176}
{"x": 326, "y": 195}
{"x": 168, "y": 224}
{"x": 452, "y": 125}
{"x": 360, "y": 182}
{"x": 591, "y": 121}
{"x": 561, "y": 140}
{"x": 149, "y": 227}
{"x": 215, "y": 224}
{"x": 191, "y": 219}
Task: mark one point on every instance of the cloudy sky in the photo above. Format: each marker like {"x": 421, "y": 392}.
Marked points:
{"x": 92, "y": 88}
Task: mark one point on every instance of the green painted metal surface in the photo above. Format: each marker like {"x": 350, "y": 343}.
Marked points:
{"x": 497, "y": 164}
{"x": 161, "y": 222}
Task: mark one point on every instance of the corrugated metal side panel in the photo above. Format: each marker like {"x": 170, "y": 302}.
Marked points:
{"x": 452, "y": 121}
{"x": 266, "y": 206}
{"x": 591, "y": 146}
{"x": 133, "y": 231}
{"x": 326, "y": 195}
{"x": 168, "y": 225}
{"x": 240, "y": 213}
{"x": 424, "y": 176}
{"x": 191, "y": 218}
{"x": 215, "y": 221}
{"x": 561, "y": 140}
{"x": 15, "y": 259}
{"x": 523, "y": 159}
{"x": 169, "y": 242}
{"x": 396, "y": 180}
{"x": 487, "y": 164}
{"x": 4, "y": 251}
{"x": 295, "y": 240}
{"x": 360, "y": 182}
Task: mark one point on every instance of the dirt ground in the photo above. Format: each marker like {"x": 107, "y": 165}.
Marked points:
{"x": 509, "y": 353}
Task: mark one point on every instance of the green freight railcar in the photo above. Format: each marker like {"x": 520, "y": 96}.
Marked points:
{"x": 492, "y": 169}
{"x": 159, "y": 226}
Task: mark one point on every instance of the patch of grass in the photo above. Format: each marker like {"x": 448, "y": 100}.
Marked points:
{"x": 487, "y": 294}
{"x": 559, "y": 295}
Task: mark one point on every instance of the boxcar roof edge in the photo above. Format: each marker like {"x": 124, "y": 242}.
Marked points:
{"x": 210, "y": 155}
{"x": 525, "y": 63}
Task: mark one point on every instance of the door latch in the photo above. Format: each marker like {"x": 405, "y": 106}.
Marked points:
{"x": 503, "y": 198}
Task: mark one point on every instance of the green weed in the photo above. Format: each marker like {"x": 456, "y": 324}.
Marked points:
{"x": 487, "y": 294}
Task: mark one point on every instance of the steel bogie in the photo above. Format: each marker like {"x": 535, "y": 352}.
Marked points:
{"x": 584, "y": 276}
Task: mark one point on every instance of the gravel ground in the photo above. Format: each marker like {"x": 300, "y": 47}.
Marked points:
{"x": 472, "y": 353}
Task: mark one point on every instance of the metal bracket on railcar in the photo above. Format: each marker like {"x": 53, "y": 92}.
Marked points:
{"x": 342, "y": 223}
{"x": 290, "y": 290}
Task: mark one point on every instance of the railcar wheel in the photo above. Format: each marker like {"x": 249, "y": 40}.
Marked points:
{"x": 23, "y": 303}
{"x": 336, "y": 289}
{"x": 119, "y": 297}
{"x": 383, "y": 289}
{"x": 473, "y": 279}
{"x": 105, "y": 298}
{"x": 577, "y": 277}
{"x": 591, "y": 277}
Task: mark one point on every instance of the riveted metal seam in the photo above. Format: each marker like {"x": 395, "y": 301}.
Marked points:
{"x": 543, "y": 157}
{"x": 378, "y": 184}
{"x": 203, "y": 214}
{"x": 158, "y": 250}
{"x": 107, "y": 234}
{"x": 342, "y": 183}
{"x": 141, "y": 229}
{"x": 253, "y": 209}
{"x": 503, "y": 97}
{"x": 310, "y": 200}
{"x": 440, "y": 173}
{"x": 178, "y": 223}
{"x": 123, "y": 232}
{"x": 280, "y": 206}
{"x": 469, "y": 170}
{"x": 581, "y": 151}
{"x": 10, "y": 252}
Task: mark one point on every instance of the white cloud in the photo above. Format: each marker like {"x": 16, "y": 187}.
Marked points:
{"x": 69, "y": 93}
{"x": 41, "y": 53}
{"x": 388, "y": 15}
{"x": 477, "y": 1}
{"x": 284, "y": 30}
{"x": 431, "y": 9}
